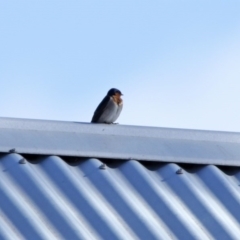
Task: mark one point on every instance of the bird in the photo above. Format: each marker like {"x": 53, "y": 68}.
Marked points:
{"x": 109, "y": 108}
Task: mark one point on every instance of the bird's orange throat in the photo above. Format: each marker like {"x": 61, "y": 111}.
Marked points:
{"x": 117, "y": 99}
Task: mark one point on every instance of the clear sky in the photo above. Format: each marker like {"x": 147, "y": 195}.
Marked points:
{"x": 176, "y": 62}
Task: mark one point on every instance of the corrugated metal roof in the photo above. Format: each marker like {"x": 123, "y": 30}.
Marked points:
{"x": 119, "y": 142}
{"x": 52, "y": 199}
{"x": 49, "y": 191}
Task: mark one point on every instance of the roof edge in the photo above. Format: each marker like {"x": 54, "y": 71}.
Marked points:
{"x": 48, "y": 137}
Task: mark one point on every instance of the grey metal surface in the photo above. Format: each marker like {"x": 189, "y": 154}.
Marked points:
{"x": 119, "y": 142}
{"x": 123, "y": 200}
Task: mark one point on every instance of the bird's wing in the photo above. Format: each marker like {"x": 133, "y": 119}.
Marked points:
{"x": 100, "y": 109}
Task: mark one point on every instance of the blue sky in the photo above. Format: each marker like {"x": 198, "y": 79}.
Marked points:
{"x": 177, "y": 62}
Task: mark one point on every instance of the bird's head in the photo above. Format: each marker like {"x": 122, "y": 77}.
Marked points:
{"x": 114, "y": 92}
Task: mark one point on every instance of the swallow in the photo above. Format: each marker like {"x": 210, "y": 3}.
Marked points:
{"x": 109, "y": 108}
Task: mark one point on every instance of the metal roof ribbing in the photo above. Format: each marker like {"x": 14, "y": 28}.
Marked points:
{"x": 127, "y": 200}
{"x": 119, "y": 142}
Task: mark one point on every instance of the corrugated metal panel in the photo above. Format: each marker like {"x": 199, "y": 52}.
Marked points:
{"x": 119, "y": 142}
{"x": 127, "y": 200}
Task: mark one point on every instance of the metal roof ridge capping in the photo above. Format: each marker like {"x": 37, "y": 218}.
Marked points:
{"x": 119, "y": 142}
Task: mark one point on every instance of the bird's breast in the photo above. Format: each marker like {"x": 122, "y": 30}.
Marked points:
{"x": 109, "y": 112}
